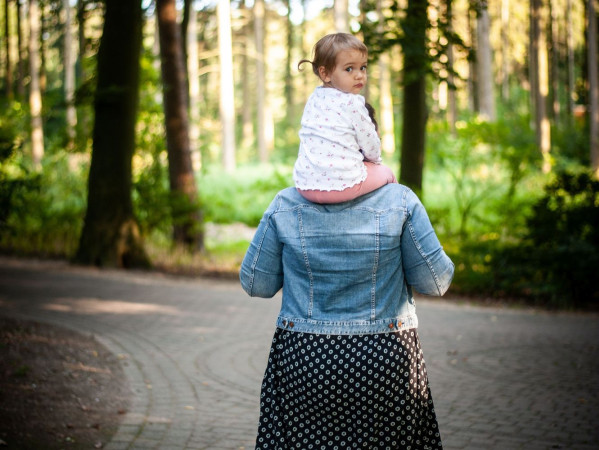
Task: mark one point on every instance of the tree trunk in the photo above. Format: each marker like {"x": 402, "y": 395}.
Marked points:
{"x": 484, "y": 64}
{"x": 541, "y": 81}
{"x": 20, "y": 51}
{"x": 452, "y": 108}
{"x": 247, "y": 125}
{"x": 7, "y": 53}
{"x": 35, "y": 95}
{"x": 227, "y": 87}
{"x": 193, "y": 77}
{"x": 110, "y": 236}
{"x": 41, "y": 45}
{"x": 472, "y": 58}
{"x": 261, "y": 113}
{"x": 505, "y": 50}
{"x": 69, "y": 75}
{"x": 555, "y": 78}
{"x": 186, "y": 215}
{"x": 415, "y": 113}
{"x": 385, "y": 119}
{"x": 341, "y": 16}
{"x": 83, "y": 118}
{"x": 289, "y": 107}
{"x": 593, "y": 86}
{"x": 570, "y": 44}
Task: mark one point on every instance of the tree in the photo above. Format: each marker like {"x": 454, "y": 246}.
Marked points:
{"x": 110, "y": 235}
{"x": 415, "y": 113}
{"x": 186, "y": 214}
{"x": 539, "y": 73}
{"x": 259, "y": 14}
{"x": 593, "y": 86}
{"x": 227, "y": 87}
{"x": 385, "y": 116}
{"x": 69, "y": 73}
{"x": 484, "y": 63}
{"x": 35, "y": 95}
{"x": 7, "y": 53}
{"x": 341, "y": 16}
{"x": 193, "y": 78}
{"x": 290, "y": 111}
{"x": 20, "y": 51}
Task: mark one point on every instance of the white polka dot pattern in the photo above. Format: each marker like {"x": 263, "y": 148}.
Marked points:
{"x": 342, "y": 392}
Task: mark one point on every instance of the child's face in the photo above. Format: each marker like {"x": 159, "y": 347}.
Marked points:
{"x": 349, "y": 74}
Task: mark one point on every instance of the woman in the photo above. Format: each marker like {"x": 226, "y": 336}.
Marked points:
{"x": 345, "y": 367}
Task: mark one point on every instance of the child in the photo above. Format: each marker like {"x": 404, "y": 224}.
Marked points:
{"x": 340, "y": 150}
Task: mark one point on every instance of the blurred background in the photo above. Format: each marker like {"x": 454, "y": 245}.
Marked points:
{"x": 155, "y": 133}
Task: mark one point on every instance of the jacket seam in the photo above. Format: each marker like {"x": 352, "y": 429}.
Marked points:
{"x": 306, "y": 262}
{"x": 375, "y": 268}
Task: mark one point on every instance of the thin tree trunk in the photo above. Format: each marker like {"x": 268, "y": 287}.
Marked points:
{"x": 193, "y": 70}
{"x": 83, "y": 117}
{"x": 555, "y": 78}
{"x": 247, "y": 125}
{"x": 227, "y": 88}
{"x": 385, "y": 119}
{"x": 42, "y": 46}
{"x": 306, "y": 49}
{"x": 505, "y": 50}
{"x": 261, "y": 113}
{"x": 593, "y": 86}
{"x": 533, "y": 61}
{"x": 484, "y": 64}
{"x": 472, "y": 58}
{"x": 20, "y": 51}
{"x": 289, "y": 107}
{"x": 541, "y": 78}
{"x": 187, "y": 8}
{"x": 570, "y": 44}
{"x": 452, "y": 114}
{"x": 7, "y": 53}
{"x": 35, "y": 95}
{"x": 69, "y": 75}
{"x": 187, "y": 222}
{"x": 341, "y": 16}
{"x": 415, "y": 113}
{"x": 110, "y": 235}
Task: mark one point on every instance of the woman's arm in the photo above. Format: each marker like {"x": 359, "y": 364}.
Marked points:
{"x": 426, "y": 266}
{"x": 261, "y": 272}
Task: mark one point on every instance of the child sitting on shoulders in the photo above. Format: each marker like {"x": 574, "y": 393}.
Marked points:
{"x": 340, "y": 149}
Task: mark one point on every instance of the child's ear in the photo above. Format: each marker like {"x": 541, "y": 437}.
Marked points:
{"x": 322, "y": 73}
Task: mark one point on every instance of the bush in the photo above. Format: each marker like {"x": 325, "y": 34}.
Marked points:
{"x": 557, "y": 260}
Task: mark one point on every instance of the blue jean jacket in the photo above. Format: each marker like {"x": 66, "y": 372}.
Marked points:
{"x": 346, "y": 268}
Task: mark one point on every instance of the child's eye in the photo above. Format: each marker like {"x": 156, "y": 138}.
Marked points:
{"x": 349, "y": 69}
{"x": 364, "y": 68}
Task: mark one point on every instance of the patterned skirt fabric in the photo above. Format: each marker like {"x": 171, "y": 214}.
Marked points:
{"x": 346, "y": 392}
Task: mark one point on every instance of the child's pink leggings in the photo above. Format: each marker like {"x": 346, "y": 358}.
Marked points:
{"x": 377, "y": 176}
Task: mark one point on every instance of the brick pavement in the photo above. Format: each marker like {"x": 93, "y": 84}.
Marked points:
{"x": 194, "y": 352}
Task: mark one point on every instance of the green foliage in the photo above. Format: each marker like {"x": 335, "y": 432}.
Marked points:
{"x": 481, "y": 180}
{"x": 558, "y": 258}
{"x": 243, "y": 195}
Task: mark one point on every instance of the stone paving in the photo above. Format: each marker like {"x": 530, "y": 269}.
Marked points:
{"x": 194, "y": 352}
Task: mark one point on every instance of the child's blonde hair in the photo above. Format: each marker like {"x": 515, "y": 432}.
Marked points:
{"x": 327, "y": 48}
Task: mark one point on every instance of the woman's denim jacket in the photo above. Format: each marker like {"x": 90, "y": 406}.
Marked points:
{"x": 346, "y": 268}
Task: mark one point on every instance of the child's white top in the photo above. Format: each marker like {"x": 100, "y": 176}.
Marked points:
{"x": 336, "y": 136}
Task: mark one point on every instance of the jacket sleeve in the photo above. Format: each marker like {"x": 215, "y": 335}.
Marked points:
{"x": 261, "y": 272}
{"x": 426, "y": 266}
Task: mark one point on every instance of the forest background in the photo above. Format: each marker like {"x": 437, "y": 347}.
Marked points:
{"x": 132, "y": 132}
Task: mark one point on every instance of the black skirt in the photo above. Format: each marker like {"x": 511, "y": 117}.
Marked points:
{"x": 342, "y": 392}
